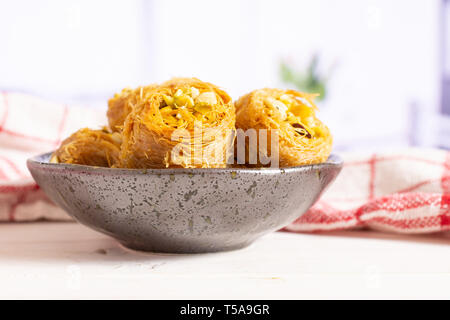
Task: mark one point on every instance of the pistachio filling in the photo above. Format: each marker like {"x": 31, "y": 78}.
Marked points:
{"x": 298, "y": 114}
{"x": 187, "y": 105}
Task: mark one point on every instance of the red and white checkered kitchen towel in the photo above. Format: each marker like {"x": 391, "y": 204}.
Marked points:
{"x": 404, "y": 191}
{"x": 29, "y": 126}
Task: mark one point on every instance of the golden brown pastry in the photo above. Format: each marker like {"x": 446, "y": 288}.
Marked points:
{"x": 90, "y": 147}
{"x": 303, "y": 139}
{"x": 121, "y": 105}
{"x": 183, "y": 122}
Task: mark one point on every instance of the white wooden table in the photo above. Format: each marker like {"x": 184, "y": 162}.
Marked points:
{"x": 67, "y": 260}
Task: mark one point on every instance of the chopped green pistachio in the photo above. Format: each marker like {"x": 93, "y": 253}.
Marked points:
{"x": 280, "y": 106}
{"x": 168, "y": 100}
{"x": 206, "y": 98}
{"x": 202, "y": 108}
{"x": 178, "y": 93}
{"x": 194, "y": 92}
{"x": 301, "y": 130}
{"x": 183, "y": 100}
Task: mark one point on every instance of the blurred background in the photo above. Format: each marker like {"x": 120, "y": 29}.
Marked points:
{"x": 381, "y": 66}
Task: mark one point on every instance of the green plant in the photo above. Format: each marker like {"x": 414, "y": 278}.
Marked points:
{"x": 309, "y": 80}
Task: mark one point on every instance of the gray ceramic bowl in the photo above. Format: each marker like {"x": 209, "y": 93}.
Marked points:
{"x": 184, "y": 210}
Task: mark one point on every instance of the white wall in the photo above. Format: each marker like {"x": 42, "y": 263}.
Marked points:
{"x": 387, "y": 52}
{"x": 69, "y": 48}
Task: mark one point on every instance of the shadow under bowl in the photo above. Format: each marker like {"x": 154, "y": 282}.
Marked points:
{"x": 184, "y": 210}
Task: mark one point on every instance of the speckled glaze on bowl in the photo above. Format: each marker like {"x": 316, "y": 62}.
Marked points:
{"x": 183, "y": 210}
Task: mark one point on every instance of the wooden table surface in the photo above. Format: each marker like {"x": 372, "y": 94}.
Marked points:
{"x": 67, "y": 260}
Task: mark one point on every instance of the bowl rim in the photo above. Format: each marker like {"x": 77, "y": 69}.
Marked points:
{"x": 37, "y": 161}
